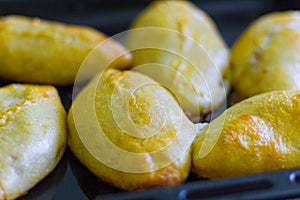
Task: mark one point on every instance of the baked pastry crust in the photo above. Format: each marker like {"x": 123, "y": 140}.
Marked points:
{"x": 259, "y": 134}
{"x": 32, "y": 136}
{"x": 144, "y": 95}
{"x": 185, "y": 41}
{"x": 39, "y": 51}
{"x": 266, "y": 56}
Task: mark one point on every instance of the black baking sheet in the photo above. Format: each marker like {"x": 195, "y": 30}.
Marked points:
{"x": 71, "y": 180}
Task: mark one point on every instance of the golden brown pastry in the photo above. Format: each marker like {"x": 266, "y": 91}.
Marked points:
{"x": 257, "y": 135}
{"x": 32, "y": 136}
{"x": 38, "y": 51}
{"x": 191, "y": 53}
{"x": 130, "y": 132}
{"x": 266, "y": 56}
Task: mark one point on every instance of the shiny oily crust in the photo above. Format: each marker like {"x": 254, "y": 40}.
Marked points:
{"x": 140, "y": 104}
{"x": 266, "y": 56}
{"x": 39, "y": 51}
{"x": 260, "y": 134}
{"x": 197, "y": 55}
{"x": 32, "y": 136}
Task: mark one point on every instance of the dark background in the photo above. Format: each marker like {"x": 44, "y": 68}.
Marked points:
{"x": 71, "y": 180}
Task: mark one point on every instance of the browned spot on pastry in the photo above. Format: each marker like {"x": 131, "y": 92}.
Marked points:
{"x": 2, "y": 193}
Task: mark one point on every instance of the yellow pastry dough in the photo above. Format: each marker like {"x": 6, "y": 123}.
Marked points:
{"x": 193, "y": 56}
{"x": 257, "y": 135}
{"x": 139, "y": 118}
{"x": 39, "y": 51}
{"x": 266, "y": 56}
{"x": 32, "y": 136}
